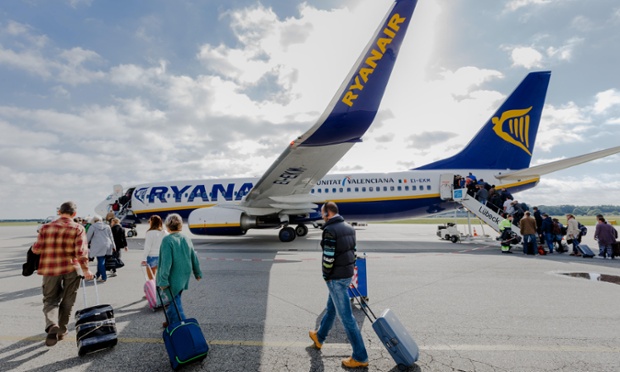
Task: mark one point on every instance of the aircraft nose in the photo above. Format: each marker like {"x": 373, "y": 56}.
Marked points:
{"x": 103, "y": 207}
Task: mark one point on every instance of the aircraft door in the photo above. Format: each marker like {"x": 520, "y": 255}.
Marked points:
{"x": 446, "y": 186}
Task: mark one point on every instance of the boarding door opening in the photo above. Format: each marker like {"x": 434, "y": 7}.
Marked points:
{"x": 446, "y": 186}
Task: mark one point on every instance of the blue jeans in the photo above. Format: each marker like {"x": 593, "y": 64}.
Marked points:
{"x": 529, "y": 238}
{"x": 101, "y": 268}
{"x": 171, "y": 311}
{"x": 338, "y": 303}
{"x": 549, "y": 240}
{"x": 604, "y": 250}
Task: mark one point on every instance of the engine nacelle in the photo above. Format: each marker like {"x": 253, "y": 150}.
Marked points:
{"x": 227, "y": 221}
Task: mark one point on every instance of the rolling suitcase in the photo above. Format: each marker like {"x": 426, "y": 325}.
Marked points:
{"x": 184, "y": 340}
{"x": 95, "y": 326}
{"x": 585, "y": 251}
{"x": 392, "y": 335}
{"x": 360, "y": 278}
{"x": 150, "y": 290}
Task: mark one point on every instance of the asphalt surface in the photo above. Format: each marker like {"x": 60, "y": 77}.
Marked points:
{"x": 469, "y": 307}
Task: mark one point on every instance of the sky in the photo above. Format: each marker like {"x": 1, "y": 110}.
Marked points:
{"x": 95, "y": 93}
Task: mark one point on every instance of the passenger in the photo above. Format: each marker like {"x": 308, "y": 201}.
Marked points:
{"x": 518, "y": 212}
{"x": 495, "y": 202}
{"x": 101, "y": 243}
{"x": 338, "y": 262}
{"x": 62, "y": 246}
{"x": 606, "y": 236}
{"x": 505, "y": 228}
{"x": 538, "y": 218}
{"x": 573, "y": 233}
{"x": 473, "y": 178}
{"x": 558, "y": 235}
{"x": 506, "y": 195}
{"x": 527, "y": 225}
{"x": 109, "y": 216}
{"x": 152, "y": 242}
{"x": 120, "y": 242}
{"x": 547, "y": 230}
{"x": 482, "y": 195}
{"x": 177, "y": 261}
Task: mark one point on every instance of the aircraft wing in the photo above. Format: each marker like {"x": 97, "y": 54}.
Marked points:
{"x": 554, "y": 166}
{"x": 309, "y": 157}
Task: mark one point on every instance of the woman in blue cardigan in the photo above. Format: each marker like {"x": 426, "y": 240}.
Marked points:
{"x": 177, "y": 261}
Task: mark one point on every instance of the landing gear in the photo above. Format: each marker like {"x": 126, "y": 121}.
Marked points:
{"x": 287, "y": 234}
{"x": 301, "y": 230}
{"x": 132, "y": 233}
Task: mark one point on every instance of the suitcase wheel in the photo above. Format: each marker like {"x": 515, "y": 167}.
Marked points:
{"x": 402, "y": 367}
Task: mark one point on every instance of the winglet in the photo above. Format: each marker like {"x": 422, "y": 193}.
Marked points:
{"x": 353, "y": 108}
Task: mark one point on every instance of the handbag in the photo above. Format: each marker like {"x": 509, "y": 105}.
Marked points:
{"x": 113, "y": 263}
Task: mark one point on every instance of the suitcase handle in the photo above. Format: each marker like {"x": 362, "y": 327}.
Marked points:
{"x": 84, "y": 290}
{"x": 363, "y": 304}
{"x": 171, "y": 300}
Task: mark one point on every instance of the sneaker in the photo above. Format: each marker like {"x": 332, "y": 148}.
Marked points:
{"x": 100, "y": 281}
{"x": 352, "y": 363}
{"x": 113, "y": 274}
{"x": 52, "y": 335}
{"x": 315, "y": 338}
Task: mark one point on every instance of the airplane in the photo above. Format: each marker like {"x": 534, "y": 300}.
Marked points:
{"x": 296, "y": 185}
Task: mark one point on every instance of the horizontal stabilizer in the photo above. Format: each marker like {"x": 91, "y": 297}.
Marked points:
{"x": 539, "y": 170}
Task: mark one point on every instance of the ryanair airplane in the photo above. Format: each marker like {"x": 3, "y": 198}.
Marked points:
{"x": 289, "y": 194}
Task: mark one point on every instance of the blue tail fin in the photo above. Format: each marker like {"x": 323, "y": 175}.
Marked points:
{"x": 353, "y": 108}
{"x": 506, "y": 141}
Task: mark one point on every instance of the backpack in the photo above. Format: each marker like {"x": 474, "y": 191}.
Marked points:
{"x": 583, "y": 229}
{"x": 525, "y": 207}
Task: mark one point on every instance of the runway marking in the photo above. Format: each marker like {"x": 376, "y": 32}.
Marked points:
{"x": 375, "y": 345}
{"x": 230, "y": 259}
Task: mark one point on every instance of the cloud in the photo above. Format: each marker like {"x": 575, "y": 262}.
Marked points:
{"x": 526, "y": 57}
{"x": 606, "y": 100}
{"x": 426, "y": 140}
{"x": 513, "y": 5}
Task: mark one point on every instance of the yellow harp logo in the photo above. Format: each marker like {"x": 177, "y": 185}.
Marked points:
{"x": 517, "y": 129}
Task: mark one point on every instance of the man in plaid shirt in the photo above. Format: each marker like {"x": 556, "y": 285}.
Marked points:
{"x": 64, "y": 257}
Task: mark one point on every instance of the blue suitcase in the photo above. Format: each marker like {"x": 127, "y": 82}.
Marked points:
{"x": 392, "y": 335}
{"x": 184, "y": 340}
{"x": 585, "y": 251}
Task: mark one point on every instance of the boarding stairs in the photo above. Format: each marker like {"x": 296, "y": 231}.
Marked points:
{"x": 484, "y": 213}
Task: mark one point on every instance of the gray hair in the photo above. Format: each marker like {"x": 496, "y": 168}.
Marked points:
{"x": 67, "y": 208}
{"x": 174, "y": 222}
{"x": 96, "y": 218}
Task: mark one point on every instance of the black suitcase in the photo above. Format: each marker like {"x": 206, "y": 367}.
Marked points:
{"x": 615, "y": 250}
{"x": 585, "y": 251}
{"x": 95, "y": 326}
{"x": 392, "y": 334}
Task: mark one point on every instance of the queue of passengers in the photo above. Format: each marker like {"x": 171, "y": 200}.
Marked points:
{"x": 537, "y": 228}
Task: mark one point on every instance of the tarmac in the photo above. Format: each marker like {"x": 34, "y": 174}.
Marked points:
{"x": 469, "y": 307}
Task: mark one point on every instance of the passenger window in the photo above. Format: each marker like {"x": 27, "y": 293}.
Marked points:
{"x": 341, "y": 189}
{"x": 391, "y": 188}
{"x": 399, "y": 188}
{"x": 326, "y": 190}
{"x": 357, "y": 189}
{"x": 320, "y": 191}
{"x": 334, "y": 190}
{"x": 312, "y": 191}
{"x": 363, "y": 189}
{"x": 414, "y": 188}
{"x": 384, "y": 188}
{"x": 370, "y": 189}
{"x": 428, "y": 187}
{"x": 406, "y": 188}
{"x": 348, "y": 189}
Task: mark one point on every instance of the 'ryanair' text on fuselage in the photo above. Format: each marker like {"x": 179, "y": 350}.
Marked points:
{"x": 190, "y": 193}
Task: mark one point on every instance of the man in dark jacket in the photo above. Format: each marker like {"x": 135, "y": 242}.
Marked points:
{"x": 338, "y": 263}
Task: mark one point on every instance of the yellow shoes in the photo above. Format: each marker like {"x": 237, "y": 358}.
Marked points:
{"x": 352, "y": 363}
{"x": 315, "y": 338}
